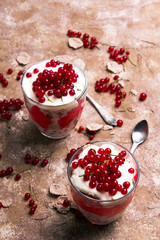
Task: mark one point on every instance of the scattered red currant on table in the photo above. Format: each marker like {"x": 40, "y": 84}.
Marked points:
{"x": 32, "y": 202}
{"x": 7, "y": 106}
{"x": 119, "y": 55}
{"x": 143, "y": 96}
{"x": 114, "y": 87}
{"x": 3, "y": 80}
{"x": 66, "y": 203}
{"x": 119, "y": 123}
{"x": 9, "y": 71}
{"x": 88, "y": 42}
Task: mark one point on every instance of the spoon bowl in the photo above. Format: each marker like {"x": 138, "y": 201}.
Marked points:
{"x": 139, "y": 134}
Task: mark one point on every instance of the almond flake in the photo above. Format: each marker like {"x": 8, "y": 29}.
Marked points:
{"x": 57, "y": 189}
{"x": 114, "y": 67}
{"x": 121, "y": 82}
{"x": 134, "y": 92}
{"x": 107, "y": 127}
{"x": 94, "y": 126}
{"x": 23, "y": 58}
{"x": 7, "y": 202}
{"x": 75, "y": 43}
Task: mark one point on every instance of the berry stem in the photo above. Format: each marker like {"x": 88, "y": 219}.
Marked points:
{"x": 126, "y": 108}
{"x": 131, "y": 61}
{"x": 105, "y": 44}
{"x": 124, "y": 69}
{"x": 97, "y": 47}
{"x": 32, "y": 194}
{"x": 46, "y": 156}
{"x": 24, "y": 170}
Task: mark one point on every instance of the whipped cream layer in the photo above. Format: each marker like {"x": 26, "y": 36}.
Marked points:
{"x": 52, "y": 100}
{"x": 83, "y": 186}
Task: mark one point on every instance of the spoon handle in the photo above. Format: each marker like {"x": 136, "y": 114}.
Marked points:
{"x": 108, "y": 118}
{"x": 134, "y": 147}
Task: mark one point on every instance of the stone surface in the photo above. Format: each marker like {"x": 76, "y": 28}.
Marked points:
{"x": 39, "y": 28}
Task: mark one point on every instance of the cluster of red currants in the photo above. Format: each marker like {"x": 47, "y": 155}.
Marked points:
{"x": 28, "y": 159}
{"x": 19, "y": 74}
{"x": 103, "y": 86}
{"x": 6, "y": 106}
{"x": 3, "y": 80}
{"x": 6, "y": 172}
{"x": 118, "y": 55}
{"x": 59, "y": 83}
{"x": 32, "y": 204}
{"x": 102, "y": 170}
{"x": 88, "y": 42}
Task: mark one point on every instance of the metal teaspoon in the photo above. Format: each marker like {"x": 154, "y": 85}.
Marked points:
{"x": 139, "y": 134}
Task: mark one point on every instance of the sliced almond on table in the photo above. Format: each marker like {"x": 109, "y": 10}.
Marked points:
{"x": 75, "y": 43}
{"x": 23, "y": 58}
{"x": 134, "y": 92}
{"x": 114, "y": 67}
{"x": 94, "y": 126}
{"x": 57, "y": 189}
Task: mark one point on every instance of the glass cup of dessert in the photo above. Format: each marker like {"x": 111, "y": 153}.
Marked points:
{"x": 54, "y": 94}
{"x": 103, "y": 178}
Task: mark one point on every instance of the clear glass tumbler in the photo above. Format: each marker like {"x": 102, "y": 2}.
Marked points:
{"x": 102, "y": 212}
{"x": 55, "y": 121}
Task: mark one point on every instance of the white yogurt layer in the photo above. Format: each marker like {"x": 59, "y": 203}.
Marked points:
{"x": 83, "y": 186}
{"x": 52, "y": 100}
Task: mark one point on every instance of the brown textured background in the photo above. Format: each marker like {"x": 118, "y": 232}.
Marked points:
{"x": 39, "y": 28}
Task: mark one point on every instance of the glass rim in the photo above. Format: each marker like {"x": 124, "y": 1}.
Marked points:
{"x": 98, "y": 200}
{"x": 65, "y": 104}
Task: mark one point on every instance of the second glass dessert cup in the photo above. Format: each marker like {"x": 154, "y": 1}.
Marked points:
{"x": 97, "y": 211}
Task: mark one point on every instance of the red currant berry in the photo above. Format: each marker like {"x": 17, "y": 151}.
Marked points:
{"x": 32, "y": 210}
{"x": 121, "y": 51}
{"x": 119, "y": 187}
{"x": 44, "y": 162}
{"x": 118, "y": 103}
{"x": 31, "y": 202}
{"x": 131, "y": 170}
{"x": 9, "y": 171}
{"x": 2, "y": 173}
{"x": 35, "y": 161}
{"x": 17, "y": 177}
{"x": 143, "y": 96}
{"x": 127, "y": 52}
{"x": 124, "y": 191}
{"x": 110, "y": 49}
{"x": 119, "y": 123}
{"x": 36, "y": 70}
{"x": 18, "y": 78}
{"x": 10, "y": 70}
{"x": 81, "y": 129}
{"x": 28, "y": 75}
{"x": 66, "y": 203}
{"x": 112, "y": 191}
{"x": 1, "y": 205}
{"x": 116, "y": 77}
{"x": 126, "y": 184}
{"x": 27, "y": 196}
{"x": 5, "y": 83}
{"x": 91, "y": 137}
{"x": 92, "y": 184}
{"x": 74, "y": 165}
{"x": 20, "y": 72}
